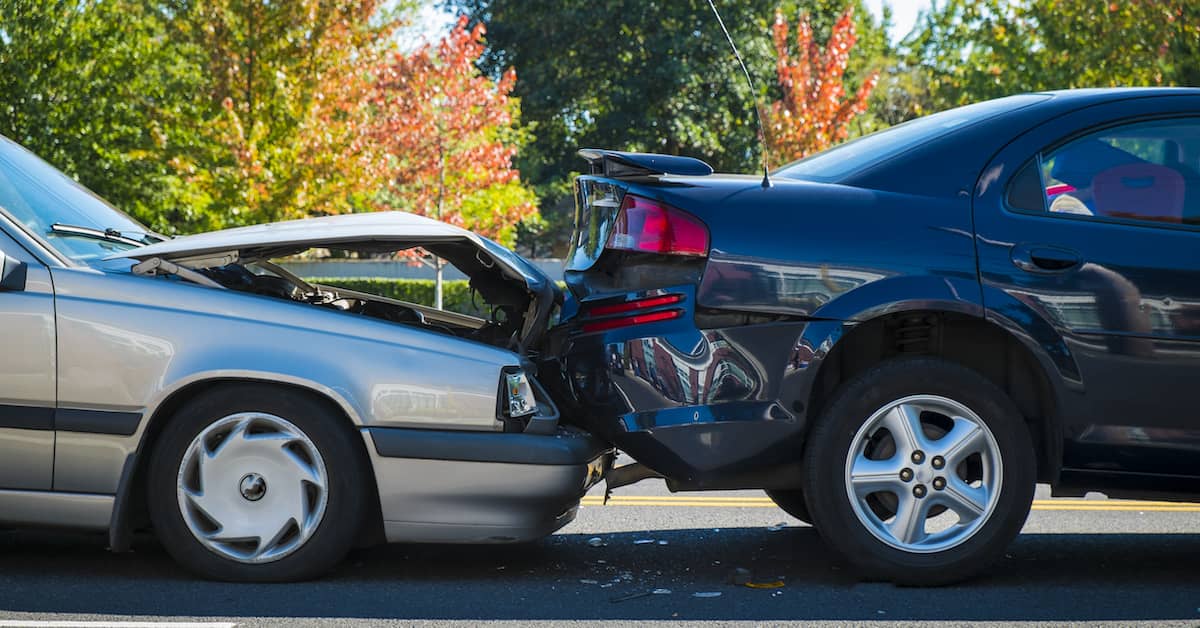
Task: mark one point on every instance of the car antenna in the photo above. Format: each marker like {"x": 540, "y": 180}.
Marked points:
{"x": 762, "y": 138}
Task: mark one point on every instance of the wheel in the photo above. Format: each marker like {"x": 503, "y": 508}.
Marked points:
{"x": 792, "y": 502}
{"x": 255, "y": 483}
{"x": 919, "y": 471}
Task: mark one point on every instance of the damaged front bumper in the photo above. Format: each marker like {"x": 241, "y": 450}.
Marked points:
{"x": 440, "y": 486}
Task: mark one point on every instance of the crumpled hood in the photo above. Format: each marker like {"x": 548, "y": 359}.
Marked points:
{"x": 495, "y": 271}
{"x": 367, "y": 232}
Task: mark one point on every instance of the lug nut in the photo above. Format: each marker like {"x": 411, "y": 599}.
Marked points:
{"x": 918, "y": 456}
{"x": 938, "y": 462}
{"x": 939, "y": 483}
{"x": 919, "y": 491}
{"x": 906, "y": 475}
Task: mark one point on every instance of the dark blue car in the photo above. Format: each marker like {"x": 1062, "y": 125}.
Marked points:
{"x": 898, "y": 337}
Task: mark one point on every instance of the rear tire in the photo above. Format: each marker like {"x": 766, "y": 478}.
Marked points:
{"x": 919, "y": 471}
{"x": 792, "y": 502}
{"x": 255, "y": 483}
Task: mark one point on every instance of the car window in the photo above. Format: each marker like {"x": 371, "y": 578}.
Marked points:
{"x": 1145, "y": 171}
{"x": 36, "y": 195}
{"x": 844, "y": 159}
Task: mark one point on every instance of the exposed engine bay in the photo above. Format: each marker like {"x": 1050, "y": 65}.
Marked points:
{"x": 513, "y": 319}
{"x": 265, "y": 278}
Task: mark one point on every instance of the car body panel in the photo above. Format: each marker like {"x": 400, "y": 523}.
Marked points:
{"x": 27, "y": 370}
{"x": 1128, "y": 316}
{"x": 467, "y": 495}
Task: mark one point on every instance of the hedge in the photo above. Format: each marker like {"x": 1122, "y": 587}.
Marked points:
{"x": 456, "y": 295}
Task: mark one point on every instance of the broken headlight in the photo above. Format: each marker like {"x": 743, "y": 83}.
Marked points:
{"x": 519, "y": 400}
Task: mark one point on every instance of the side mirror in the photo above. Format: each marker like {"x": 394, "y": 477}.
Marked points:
{"x": 12, "y": 273}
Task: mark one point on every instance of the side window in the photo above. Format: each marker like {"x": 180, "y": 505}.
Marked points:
{"x": 1145, "y": 171}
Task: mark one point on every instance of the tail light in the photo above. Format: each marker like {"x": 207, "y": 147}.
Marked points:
{"x": 647, "y": 226}
{"x": 629, "y": 313}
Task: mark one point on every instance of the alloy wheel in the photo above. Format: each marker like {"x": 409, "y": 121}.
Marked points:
{"x": 923, "y": 474}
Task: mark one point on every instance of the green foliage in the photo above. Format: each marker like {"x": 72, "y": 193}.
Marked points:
{"x": 90, "y": 86}
{"x": 972, "y": 50}
{"x": 641, "y": 75}
{"x": 456, "y": 295}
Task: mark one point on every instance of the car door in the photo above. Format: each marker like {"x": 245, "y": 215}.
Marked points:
{"x": 1090, "y": 225}
{"x": 27, "y": 370}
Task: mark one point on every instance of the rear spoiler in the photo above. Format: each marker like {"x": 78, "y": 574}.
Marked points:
{"x": 614, "y": 163}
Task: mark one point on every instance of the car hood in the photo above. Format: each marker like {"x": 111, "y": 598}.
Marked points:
{"x": 495, "y": 267}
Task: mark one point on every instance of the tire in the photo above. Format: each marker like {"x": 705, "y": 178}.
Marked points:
{"x": 300, "y": 465}
{"x": 855, "y": 480}
{"x": 792, "y": 502}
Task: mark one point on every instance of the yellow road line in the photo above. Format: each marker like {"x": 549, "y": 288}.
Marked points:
{"x": 707, "y": 501}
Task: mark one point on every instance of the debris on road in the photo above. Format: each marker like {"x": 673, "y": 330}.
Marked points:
{"x": 777, "y": 527}
{"x": 775, "y": 584}
{"x": 644, "y": 542}
{"x": 596, "y": 541}
{"x": 662, "y": 542}
{"x": 589, "y": 581}
{"x": 631, "y": 596}
{"x": 661, "y": 592}
{"x": 707, "y": 594}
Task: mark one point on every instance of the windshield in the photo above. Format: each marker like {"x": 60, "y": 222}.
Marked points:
{"x": 839, "y": 161}
{"x": 38, "y": 196}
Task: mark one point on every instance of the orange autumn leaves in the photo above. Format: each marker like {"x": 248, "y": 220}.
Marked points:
{"x": 449, "y": 135}
{"x": 342, "y": 121}
{"x": 815, "y": 111}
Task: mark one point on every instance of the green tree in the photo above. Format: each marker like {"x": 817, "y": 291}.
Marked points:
{"x": 90, "y": 86}
{"x": 284, "y": 110}
{"x": 972, "y": 50}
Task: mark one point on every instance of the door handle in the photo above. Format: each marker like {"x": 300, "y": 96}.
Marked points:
{"x": 1042, "y": 259}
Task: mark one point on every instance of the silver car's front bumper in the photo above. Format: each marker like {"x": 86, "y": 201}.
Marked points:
{"x": 438, "y": 486}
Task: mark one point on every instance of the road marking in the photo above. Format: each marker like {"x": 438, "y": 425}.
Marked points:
{"x": 707, "y": 501}
{"x": 54, "y": 623}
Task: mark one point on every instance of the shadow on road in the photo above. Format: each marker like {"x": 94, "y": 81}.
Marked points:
{"x": 1045, "y": 577}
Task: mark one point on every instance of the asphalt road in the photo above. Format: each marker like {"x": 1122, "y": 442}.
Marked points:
{"x": 1078, "y": 562}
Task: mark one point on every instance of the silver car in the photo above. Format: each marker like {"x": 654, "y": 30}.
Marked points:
{"x": 260, "y": 424}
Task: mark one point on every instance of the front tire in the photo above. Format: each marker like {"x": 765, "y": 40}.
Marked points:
{"x": 257, "y": 484}
{"x": 919, "y": 471}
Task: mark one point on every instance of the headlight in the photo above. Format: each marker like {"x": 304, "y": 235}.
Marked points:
{"x": 519, "y": 393}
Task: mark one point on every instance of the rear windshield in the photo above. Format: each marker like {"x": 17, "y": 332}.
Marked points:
{"x": 844, "y": 159}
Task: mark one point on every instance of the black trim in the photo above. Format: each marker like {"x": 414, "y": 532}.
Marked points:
{"x": 26, "y": 417}
{"x": 97, "y": 421}
{"x": 567, "y": 447}
{"x": 69, "y": 420}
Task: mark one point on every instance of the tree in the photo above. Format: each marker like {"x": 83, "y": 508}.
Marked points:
{"x": 90, "y": 86}
{"x": 814, "y": 112}
{"x": 284, "y": 104}
{"x": 972, "y": 50}
{"x": 449, "y": 135}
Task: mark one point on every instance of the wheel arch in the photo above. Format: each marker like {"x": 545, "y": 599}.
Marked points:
{"x": 1015, "y": 364}
{"x": 129, "y": 507}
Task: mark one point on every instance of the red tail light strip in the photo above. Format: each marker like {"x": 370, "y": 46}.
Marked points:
{"x": 629, "y": 306}
{"x": 629, "y": 321}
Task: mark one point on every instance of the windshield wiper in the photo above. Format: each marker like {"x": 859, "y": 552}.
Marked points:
{"x": 110, "y": 234}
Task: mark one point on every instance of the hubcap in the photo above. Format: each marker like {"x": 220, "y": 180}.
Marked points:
{"x": 919, "y": 442}
{"x": 223, "y": 487}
